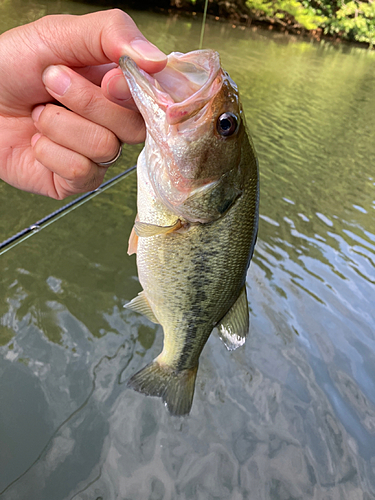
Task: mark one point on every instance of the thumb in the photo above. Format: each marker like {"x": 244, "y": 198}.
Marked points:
{"x": 97, "y": 38}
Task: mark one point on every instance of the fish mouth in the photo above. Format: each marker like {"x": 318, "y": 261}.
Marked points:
{"x": 181, "y": 89}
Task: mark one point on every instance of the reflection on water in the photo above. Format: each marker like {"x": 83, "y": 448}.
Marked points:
{"x": 289, "y": 416}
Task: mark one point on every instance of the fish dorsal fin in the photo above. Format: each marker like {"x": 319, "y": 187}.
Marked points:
{"x": 141, "y": 305}
{"x": 234, "y": 327}
{"x": 145, "y": 230}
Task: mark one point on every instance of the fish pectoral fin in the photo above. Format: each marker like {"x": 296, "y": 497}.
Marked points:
{"x": 176, "y": 388}
{"x": 145, "y": 230}
{"x": 133, "y": 243}
{"x": 141, "y": 305}
{"x": 234, "y": 327}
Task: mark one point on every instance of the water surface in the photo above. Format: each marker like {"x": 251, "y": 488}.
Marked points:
{"x": 289, "y": 416}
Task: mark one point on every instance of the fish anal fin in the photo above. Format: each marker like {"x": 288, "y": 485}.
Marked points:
{"x": 133, "y": 242}
{"x": 141, "y": 305}
{"x": 234, "y": 327}
{"x": 176, "y": 388}
{"x": 145, "y": 230}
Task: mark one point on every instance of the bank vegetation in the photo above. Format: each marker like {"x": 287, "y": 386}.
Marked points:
{"x": 352, "y": 20}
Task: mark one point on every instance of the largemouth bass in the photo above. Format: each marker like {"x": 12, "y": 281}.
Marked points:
{"x": 197, "y": 221}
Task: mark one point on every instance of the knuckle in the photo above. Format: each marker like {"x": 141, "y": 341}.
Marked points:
{"x": 140, "y": 135}
{"x": 135, "y": 131}
{"x": 83, "y": 175}
{"x": 119, "y": 15}
{"x": 87, "y": 100}
{"x": 106, "y": 145}
{"x": 79, "y": 170}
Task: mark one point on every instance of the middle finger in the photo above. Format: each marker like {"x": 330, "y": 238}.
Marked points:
{"x": 87, "y": 100}
{"x": 76, "y": 133}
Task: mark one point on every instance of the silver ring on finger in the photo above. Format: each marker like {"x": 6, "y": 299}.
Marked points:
{"x": 111, "y": 162}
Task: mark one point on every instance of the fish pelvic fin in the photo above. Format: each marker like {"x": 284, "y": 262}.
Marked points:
{"x": 234, "y": 327}
{"x": 145, "y": 230}
{"x": 141, "y": 305}
{"x": 176, "y": 388}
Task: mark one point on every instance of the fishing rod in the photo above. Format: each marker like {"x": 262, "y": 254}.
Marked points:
{"x": 58, "y": 214}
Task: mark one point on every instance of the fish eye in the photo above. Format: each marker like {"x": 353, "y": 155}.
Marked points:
{"x": 227, "y": 124}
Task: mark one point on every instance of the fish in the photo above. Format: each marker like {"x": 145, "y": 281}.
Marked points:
{"x": 197, "y": 222}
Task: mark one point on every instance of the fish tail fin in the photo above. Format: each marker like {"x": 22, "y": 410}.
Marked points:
{"x": 176, "y": 388}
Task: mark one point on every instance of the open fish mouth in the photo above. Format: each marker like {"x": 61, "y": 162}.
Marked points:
{"x": 181, "y": 89}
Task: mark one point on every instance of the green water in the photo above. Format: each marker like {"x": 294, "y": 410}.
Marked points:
{"x": 289, "y": 416}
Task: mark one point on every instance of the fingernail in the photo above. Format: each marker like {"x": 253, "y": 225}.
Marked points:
{"x": 147, "y": 50}
{"x": 56, "y": 80}
{"x": 118, "y": 88}
{"x": 35, "y": 138}
{"x": 37, "y": 112}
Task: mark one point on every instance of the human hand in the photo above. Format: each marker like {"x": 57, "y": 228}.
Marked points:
{"x": 53, "y": 150}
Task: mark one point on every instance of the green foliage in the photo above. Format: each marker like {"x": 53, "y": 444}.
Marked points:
{"x": 303, "y": 15}
{"x": 353, "y": 20}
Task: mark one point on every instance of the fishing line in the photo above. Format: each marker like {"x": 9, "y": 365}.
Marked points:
{"x": 58, "y": 214}
{"x": 203, "y": 24}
